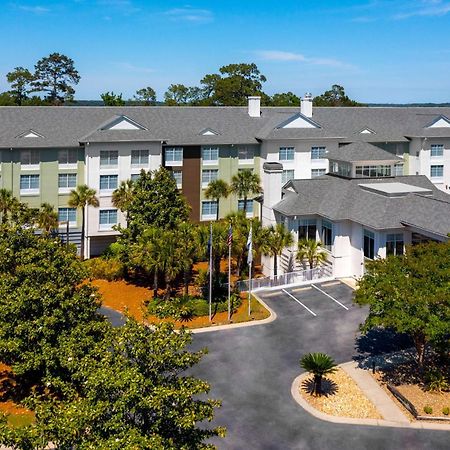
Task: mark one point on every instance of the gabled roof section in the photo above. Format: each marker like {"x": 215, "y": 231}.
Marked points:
{"x": 299, "y": 121}
{"x": 440, "y": 122}
{"x": 361, "y": 151}
{"x": 367, "y": 131}
{"x": 122, "y": 123}
{"x": 209, "y": 132}
{"x": 30, "y": 134}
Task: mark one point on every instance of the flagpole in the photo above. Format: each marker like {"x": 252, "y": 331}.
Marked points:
{"x": 210, "y": 271}
{"x": 249, "y": 287}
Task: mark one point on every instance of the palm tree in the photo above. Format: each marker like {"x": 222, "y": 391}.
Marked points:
{"x": 47, "y": 218}
{"x": 276, "y": 238}
{"x": 82, "y": 197}
{"x": 245, "y": 183}
{"x": 187, "y": 251}
{"x": 122, "y": 197}
{"x": 311, "y": 251}
{"x": 8, "y": 204}
{"x": 319, "y": 364}
{"x": 216, "y": 190}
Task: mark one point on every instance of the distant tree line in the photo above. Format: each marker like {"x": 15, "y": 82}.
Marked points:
{"x": 54, "y": 77}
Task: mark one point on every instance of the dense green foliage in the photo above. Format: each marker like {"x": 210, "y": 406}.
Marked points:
{"x": 20, "y": 80}
{"x": 311, "y": 252}
{"x": 91, "y": 385}
{"x": 336, "y": 96}
{"x": 111, "y": 99}
{"x": 319, "y": 364}
{"x": 244, "y": 184}
{"x": 410, "y": 294}
{"x": 216, "y": 190}
{"x": 275, "y": 240}
{"x": 146, "y": 96}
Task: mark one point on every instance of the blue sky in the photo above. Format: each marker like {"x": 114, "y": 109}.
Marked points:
{"x": 380, "y": 51}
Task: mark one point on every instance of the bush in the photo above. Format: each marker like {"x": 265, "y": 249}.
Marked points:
{"x": 186, "y": 307}
{"x": 428, "y": 409}
{"x": 446, "y": 411}
{"x": 436, "y": 381}
{"x": 105, "y": 269}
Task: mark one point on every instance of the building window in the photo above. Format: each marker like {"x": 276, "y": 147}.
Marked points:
{"x": 307, "y": 229}
{"x": 109, "y": 158}
{"x": 107, "y": 218}
{"x": 249, "y": 206}
{"x": 246, "y": 152}
{"x": 209, "y": 209}
{"x": 68, "y": 156}
{"x": 318, "y": 152}
{"x": 178, "y": 175}
{"x": 437, "y": 171}
{"x": 67, "y": 180}
{"x": 67, "y": 215}
{"x": 139, "y": 158}
{"x": 341, "y": 168}
{"x": 29, "y": 183}
{"x": 134, "y": 176}
{"x": 394, "y": 244}
{"x": 108, "y": 182}
{"x": 174, "y": 155}
{"x": 373, "y": 171}
{"x": 327, "y": 234}
{"x": 286, "y": 153}
{"x": 318, "y": 172}
{"x": 398, "y": 170}
{"x": 369, "y": 244}
{"x": 29, "y": 157}
{"x": 437, "y": 150}
{"x": 209, "y": 175}
{"x": 286, "y": 176}
{"x": 210, "y": 154}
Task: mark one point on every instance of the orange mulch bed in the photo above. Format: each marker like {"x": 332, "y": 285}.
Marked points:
{"x": 7, "y": 405}
{"x": 123, "y": 296}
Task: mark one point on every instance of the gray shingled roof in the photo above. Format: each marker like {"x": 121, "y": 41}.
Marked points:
{"x": 361, "y": 151}
{"x": 67, "y": 126}
{"x": 341, "y": 199}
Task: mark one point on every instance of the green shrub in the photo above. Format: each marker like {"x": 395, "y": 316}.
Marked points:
{"x": 105, "y": 269}
{"x": 183, "y": 308}
{"x": 428, "y": 409}
{"x": 436, "y": 381}
{"x": 446, "y": 410}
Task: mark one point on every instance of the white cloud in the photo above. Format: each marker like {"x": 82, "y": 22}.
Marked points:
{"x": 424, "y": 8}
{"x": 34, "y": 9}
{"x": 282, "y": 56}
{"x": 188, "y": 14}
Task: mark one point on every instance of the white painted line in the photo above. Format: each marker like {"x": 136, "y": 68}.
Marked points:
{"x": 328, "y": 295}
{"x": 273, "y": 294}
{"x": 333, "y": 283}
{"x": 300, "y": 303}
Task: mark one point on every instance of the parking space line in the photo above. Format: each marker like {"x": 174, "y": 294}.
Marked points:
{"x": 307, "y": 288}
{"x": 299, "y": 302}
{"x": 328, "y": 295}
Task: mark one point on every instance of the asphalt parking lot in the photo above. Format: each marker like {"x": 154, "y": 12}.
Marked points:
{"x": 251, "y": 370}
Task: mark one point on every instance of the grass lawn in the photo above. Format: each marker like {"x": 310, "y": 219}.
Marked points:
{"x": 122, "y": 296}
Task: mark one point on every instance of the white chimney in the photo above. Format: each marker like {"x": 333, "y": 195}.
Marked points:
{"x": 254, "y": 106}
{"x": 306, "y": 105}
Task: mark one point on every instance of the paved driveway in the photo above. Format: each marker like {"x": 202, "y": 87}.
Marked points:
{"x": 252, "y": 369}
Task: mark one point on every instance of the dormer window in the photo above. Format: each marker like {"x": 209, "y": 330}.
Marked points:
{"x": 122, "y": 123}
{"x": 440, "y": 122}
{"x": 209, "y": 132}
{"x": 367, "y": 131}
{"x": 299, "y": 121}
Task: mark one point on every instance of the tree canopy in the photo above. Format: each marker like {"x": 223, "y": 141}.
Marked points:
{"x": 410, "y": 294}
{"x": 20, "y": 80}
{"x": 146, "y": 96}
{"x": 54, "y": 75}
{"x": 111, "y": 99}
{"x": 336, "y": 96}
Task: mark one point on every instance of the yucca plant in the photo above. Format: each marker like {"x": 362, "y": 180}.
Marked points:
{"x": 319, "y": 364}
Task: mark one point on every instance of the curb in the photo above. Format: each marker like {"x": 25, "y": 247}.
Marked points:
{"x": 271, "y": 318}
{"x": 295, "y": 392}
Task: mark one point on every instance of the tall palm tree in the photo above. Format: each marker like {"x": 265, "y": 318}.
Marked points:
{"x": 311, "y": 251}
{"x": 122, "y": 197}
{"x": 275, "y": 240}
{"x": 216, "y": 190}
{"x": 319, "y": 364}
{"x": 81, "y": 198}
{"x": 47, "y": 218}
{"x": 245, "y": 183}
{"x": 8, "y": 203}
{"x": 187, "y": 251}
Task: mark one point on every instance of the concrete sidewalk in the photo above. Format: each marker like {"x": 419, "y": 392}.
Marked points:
{"x": 375, "y": 393}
